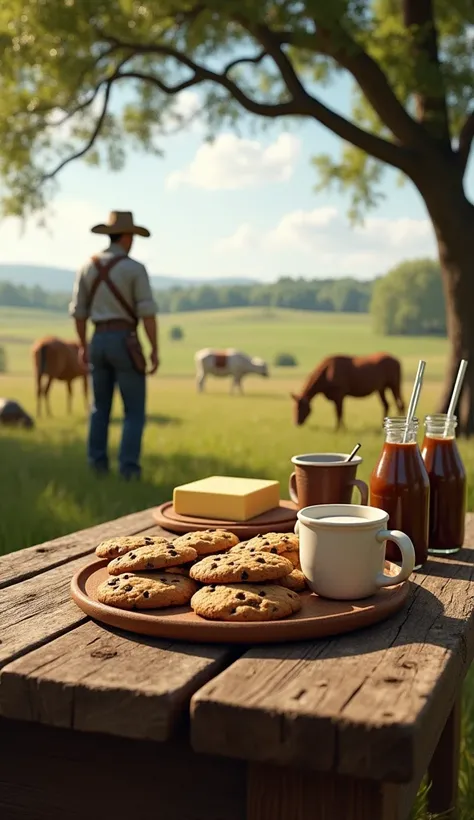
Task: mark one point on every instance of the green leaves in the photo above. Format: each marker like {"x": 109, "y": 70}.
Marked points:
{"x": 60, "y": 61}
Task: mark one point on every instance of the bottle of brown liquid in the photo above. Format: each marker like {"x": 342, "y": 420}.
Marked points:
{"x": 447, "y": 484}
{"x": 399, "y": 484}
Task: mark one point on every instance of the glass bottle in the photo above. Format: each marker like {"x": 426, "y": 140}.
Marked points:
{"x": 447, "y": 484}
{"x": 399, "y": 484}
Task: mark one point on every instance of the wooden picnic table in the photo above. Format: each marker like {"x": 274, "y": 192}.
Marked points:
{"x": 99, "y": 724}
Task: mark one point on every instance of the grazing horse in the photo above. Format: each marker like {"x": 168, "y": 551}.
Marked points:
{"x": 340, "y": 376}
{"x": 226, "y": 363}
{"x": 59, "y": 360}
{"x": 13, "y": 415}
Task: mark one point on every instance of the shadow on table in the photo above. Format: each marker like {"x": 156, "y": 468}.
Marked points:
{"x": 48, "y": 491}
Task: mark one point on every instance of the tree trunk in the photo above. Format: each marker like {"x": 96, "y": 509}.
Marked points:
{"x": 453, "y": 221}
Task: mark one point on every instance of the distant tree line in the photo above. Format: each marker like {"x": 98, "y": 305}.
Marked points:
{"x": 407, "y": 301}
{"x": 31, "y": 297}
{"x": 339, "y": 295}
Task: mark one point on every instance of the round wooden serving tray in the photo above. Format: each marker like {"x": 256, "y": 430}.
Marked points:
{"x": 318, "y": 617}
{"x": 280, "y": 519}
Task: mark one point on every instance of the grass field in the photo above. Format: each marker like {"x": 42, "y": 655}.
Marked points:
{"x": 46, "y": 487}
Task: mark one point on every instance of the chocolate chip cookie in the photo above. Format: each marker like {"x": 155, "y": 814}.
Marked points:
{"x": 233, "y": 567}
{"x": 295, "y": 580}
{"x": 124, "y": 543}
{"x": 153, "y": 556}
{"x": 245, "y": 602}
{"x": 152, "y": 590}
{"x": 274, "y": 542}
{"x": 207, "y": 542}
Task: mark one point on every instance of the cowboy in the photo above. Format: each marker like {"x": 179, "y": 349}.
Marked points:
{"x": 114, "y": 292}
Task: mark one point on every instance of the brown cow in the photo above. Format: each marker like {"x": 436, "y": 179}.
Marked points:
{"x": 340, "y": 376}
{"x": 57, "y": 359}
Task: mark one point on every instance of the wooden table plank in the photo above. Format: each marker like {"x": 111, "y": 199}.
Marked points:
{"x": 370, "y": 704}
{"x": 26, "y": 563}
{"x": 38, "y": 610}
{"x": 96, "y": 679}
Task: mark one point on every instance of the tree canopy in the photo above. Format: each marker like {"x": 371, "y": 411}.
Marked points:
{"x": 409, "y": 301}
{"x": 412, "y": 64}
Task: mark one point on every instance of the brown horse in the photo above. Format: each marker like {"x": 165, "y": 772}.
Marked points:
{"x": 59, "y": 360}
{"x": 340, "y": 376}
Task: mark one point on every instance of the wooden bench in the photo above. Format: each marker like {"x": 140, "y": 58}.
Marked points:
{"x": 104, "y": 725}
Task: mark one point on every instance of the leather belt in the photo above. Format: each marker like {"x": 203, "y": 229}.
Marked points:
{"x": 113, "y": 324}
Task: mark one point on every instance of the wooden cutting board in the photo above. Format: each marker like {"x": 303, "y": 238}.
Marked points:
{"x": 318, "y": 617}
{"x": 280, "y": 519}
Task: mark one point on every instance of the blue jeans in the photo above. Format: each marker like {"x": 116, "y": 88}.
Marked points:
{"x": 111, "y": 365}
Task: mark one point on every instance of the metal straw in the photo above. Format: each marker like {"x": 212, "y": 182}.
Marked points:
{"x": 455, "y": 395}
{"x": 414, "y": 397}
{"x": 352, "y": 454}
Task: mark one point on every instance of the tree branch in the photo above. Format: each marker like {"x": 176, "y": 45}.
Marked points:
{"x": 304, "y": 106}
{"x": 380, "y": 148}
{"x": 240, "y": 61}
{"x": 91, "y": 140}
{"x": 370, "y": 78}
{"x": 466, "y": 138}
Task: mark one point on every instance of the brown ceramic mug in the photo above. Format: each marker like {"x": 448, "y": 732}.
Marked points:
{"x": 325, "y": 478}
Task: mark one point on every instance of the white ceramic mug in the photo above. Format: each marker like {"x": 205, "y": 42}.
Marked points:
{"x": 342, "y": 550}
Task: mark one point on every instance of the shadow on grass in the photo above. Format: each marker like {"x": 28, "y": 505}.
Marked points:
{"x": 152, "y": 418}
{"x": 49, "y": 491}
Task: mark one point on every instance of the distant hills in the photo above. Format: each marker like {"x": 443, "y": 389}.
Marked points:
{"x": 61, "y": 280}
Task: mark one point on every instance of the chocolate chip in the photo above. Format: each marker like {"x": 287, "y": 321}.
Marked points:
{"x": 244, "y": 576}
{"x": 285, "y": 538}
{"x": 213, "y": 566}
{"x": 113, "y": 583}
{"x": 148, "y": 540}
{"x": 274, "y": 608}
{"x": 126, "y": 576}
{"x": 273, "y": 549}
{"x": 261, "y": 593}
{"x": 230, "y": 564}
{"x": 173, "y": 552}
{"x": 233, "y": 611}
{"x": 150, "y": 565}
{"x": 240, "y": 596}
{"x": 260, "y": 560}
{"x": 146, "y": 594}
{"x": 127, "y": 588}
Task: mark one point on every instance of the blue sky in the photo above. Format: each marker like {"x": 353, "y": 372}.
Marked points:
{"x": 245, "y": 206}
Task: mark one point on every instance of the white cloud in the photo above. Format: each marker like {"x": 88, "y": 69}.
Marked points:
{"x": 300, "y": 228}
{"x": 244, "y": 238}
{"x": 322, "y": 240}
{"x": 231, "y": 162}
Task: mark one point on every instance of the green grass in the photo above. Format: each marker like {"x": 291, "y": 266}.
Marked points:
{"x": 46, "y": 487}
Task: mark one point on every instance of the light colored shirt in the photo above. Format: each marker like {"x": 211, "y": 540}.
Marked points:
{"x": 129, "y": 276}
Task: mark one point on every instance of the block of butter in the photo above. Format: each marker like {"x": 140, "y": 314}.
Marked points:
{"x": 226, "y": 498}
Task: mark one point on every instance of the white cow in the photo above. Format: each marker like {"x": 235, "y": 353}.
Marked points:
{"x": 229, "y": 362}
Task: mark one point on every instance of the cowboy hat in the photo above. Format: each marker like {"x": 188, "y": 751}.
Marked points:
{"x": 120, "y": 222}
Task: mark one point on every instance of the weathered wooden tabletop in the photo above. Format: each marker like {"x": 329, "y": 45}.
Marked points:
{"x": 343, "y": 727}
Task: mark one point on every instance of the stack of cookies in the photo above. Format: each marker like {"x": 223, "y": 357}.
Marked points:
{"x": 221, "y": 578}
{"x": 249, "y": 582}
